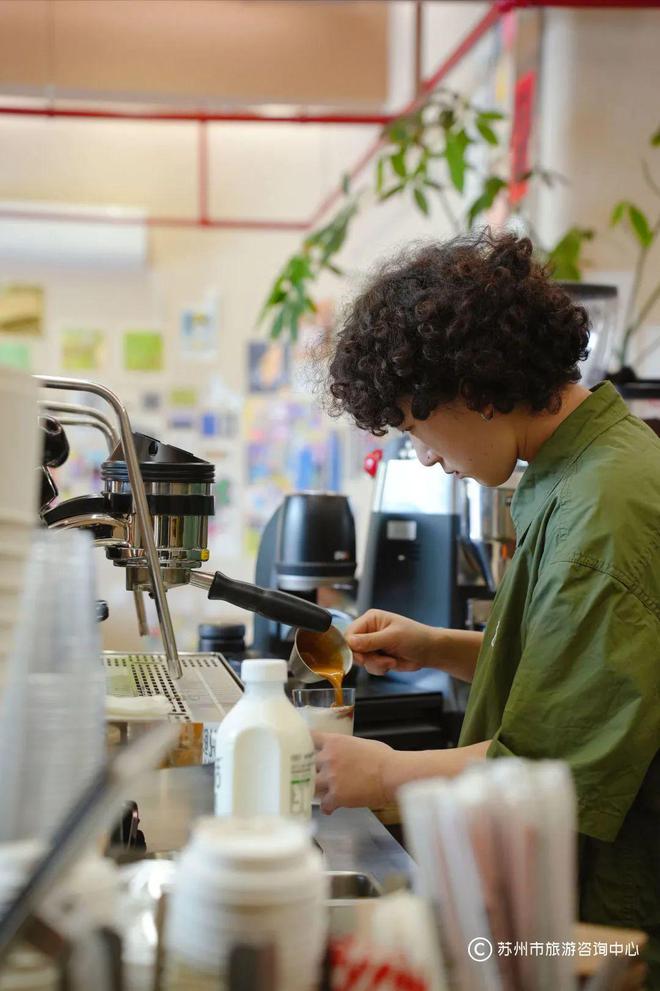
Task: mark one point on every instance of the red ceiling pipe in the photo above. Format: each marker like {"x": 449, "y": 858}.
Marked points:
{"x": 194, "y": 116}
{"x": 578, "y": 4}
{"x": 488, "y": 21}
{"x": 89, "y": 218}
{"x": 203, "y": 165}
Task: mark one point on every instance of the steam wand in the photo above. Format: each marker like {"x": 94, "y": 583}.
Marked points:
{"x": 83, "y": 416}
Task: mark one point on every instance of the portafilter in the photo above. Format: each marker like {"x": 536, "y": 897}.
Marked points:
{"x": 179, "y": 491}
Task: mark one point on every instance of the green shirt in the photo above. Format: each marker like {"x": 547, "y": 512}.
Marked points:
{"x": 570, "y": 663}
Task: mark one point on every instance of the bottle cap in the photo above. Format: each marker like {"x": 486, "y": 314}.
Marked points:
{"x": 264, "y": 669}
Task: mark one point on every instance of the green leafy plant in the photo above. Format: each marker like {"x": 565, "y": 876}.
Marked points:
{"x": 566, "y": 257}
{"x": 428, "y": 156}
{"x": 290, "y": 296}
{"x": 441, "y": 131}
{"x": 644, "y": 232}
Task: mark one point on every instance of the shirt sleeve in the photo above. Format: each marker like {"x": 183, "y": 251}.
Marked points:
{"x": 587, "y": 690}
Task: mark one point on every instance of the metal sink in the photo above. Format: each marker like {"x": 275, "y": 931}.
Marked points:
{"x": 351, "y": 885}
{"x": 353, "y": 896}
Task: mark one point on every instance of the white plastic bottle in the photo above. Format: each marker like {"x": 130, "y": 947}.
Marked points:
{"x": 264, "y": 757}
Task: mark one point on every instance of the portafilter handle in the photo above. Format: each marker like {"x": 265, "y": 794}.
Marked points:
{"x": 268, "y": 602}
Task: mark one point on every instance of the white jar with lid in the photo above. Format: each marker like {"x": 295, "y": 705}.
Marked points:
{"x": 254, "y": 882}
{"x": 264, "y": 762}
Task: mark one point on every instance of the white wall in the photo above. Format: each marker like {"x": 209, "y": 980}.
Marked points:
{"x": 598, "y": 107}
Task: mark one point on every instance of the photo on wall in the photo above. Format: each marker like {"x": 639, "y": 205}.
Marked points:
{"x": 144, "y": 351}
{"x": 21, "y": 309}
{"x": 199, "y": 330}
{"x": 82, "y": 350}
{"x": 16, "y": 354}
{"x": 269, "y": 366}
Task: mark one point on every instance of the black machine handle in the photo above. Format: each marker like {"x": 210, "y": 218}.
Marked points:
{"x": 268, "y": 602}
{"x": 55, "y": 444}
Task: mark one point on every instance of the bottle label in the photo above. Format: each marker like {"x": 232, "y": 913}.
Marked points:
{"x": 209, "y": 742}
{"x": 302, "y": 784}
{"x": 217, "y": 782}
{"x": 292, "y": 798}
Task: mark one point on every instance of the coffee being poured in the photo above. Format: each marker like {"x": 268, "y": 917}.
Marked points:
{"x": 325, "y": 657}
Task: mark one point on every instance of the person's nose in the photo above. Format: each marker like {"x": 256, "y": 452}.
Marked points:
{"x": 424, "y": 454}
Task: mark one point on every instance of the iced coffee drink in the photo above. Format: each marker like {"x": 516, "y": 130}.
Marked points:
{"x": 320, "y": 711}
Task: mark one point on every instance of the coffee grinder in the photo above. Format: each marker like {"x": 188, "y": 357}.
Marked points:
{"x": 307, "y": 545}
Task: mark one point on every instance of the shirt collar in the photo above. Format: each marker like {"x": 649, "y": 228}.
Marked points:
{"x": 601, "y": 410}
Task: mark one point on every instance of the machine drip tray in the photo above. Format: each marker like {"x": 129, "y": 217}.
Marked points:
{"x": 205, "y": 694}
{"x": 200, "y": 699}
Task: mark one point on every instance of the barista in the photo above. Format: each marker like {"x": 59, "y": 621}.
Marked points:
{"x": 473, "y": 350}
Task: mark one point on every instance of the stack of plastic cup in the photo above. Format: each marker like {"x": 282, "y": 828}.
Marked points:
{"x": 85, "y": 900}
{"x": 18, "y": 493}
{"x": 16, "y": 863}
{"x": 52, "y": 713}
{"x": 24, "y": 968}
{"x": 256, "y": 882}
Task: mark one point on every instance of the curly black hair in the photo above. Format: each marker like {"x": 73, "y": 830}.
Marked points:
{"x": 476, "y": 318}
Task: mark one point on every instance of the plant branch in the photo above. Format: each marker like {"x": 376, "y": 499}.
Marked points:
{"x": 632, "y": 323}
{"x": 647, "y": 307}
{"x": 650, "y": 181}
{"x": 629, "y": 327}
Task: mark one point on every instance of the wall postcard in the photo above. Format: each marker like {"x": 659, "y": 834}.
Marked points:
{"x": 184, "y": 397}
{"x": 15, "y": 354}
{"x": 151, "y": 401}
{"x": 182, "y": 414}
{"x": 269, "y": 366}
{"x": 199, "y": 329}
{"x": 21, "y": 309}
{"x": 143, "y": 351}
{"x": 288, "y": 448}
{"x": 220, "y": 423}
{"x": 82, "y": 350}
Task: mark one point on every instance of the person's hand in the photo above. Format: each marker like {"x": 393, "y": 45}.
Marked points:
{"x": 351, "y": 772}
{"x": 383, "y": 641}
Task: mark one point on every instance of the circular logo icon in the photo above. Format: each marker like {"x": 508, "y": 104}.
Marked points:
{"x": 480, "y": 949}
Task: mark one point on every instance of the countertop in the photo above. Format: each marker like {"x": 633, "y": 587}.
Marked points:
{"x": 351, "y": 839}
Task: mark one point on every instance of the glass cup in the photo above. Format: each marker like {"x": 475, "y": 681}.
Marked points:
{"x": 318, "y": 709}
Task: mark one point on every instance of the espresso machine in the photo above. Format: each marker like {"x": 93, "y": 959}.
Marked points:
{"x": 151, "y": 518}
